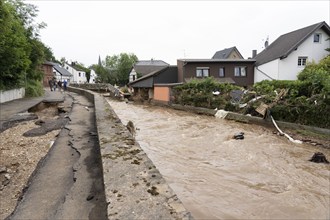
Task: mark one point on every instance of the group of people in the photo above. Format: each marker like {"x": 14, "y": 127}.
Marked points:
{"x": 53, "y": 84}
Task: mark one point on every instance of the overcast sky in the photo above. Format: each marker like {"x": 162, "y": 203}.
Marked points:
{"x": 169, "y": 30}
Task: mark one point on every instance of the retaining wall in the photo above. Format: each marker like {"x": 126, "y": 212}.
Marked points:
{"x": 250, "y": 119}
{"x": 9, "y": 95}
{"x": 134, "y": 188}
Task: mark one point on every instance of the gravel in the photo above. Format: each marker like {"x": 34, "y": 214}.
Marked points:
{"x": 19, "y": 156}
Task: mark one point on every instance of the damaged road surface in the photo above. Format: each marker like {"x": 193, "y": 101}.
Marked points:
{"x": 68, "y": 182}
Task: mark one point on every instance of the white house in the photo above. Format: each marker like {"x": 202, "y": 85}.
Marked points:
{"x": 78, "y": 76}
{"x": 92, "y": 78}
{"x": 132, "y": 75}
{"x": 287, "y": 55}
{"x": 61, "y": 73}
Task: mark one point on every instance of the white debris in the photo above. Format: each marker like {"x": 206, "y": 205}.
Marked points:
{"x": 286, "y": 135}
{"x": 242, "y": 105}
{"x": 216, "y": 93}
{"x": 221, "y": 114}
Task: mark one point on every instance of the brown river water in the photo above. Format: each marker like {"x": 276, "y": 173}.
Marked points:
{"x": 264, "y": 176}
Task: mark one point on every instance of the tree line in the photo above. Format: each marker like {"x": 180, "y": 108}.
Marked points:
{"x": 115, "y": 69}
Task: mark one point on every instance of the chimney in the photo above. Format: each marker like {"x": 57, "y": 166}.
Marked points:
{"x": 254, "y": 53}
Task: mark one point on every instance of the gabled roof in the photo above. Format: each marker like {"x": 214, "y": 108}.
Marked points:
{"x": 77, "y": 68}
{"x": 225, "y": 53}
{"x": 147, "y": 66}
{"x": 287, "y": 43}
{"x": 61, "y": 70}
{"x": 155, "y": 73}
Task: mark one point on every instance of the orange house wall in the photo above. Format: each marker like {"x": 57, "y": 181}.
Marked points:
{"x": 162, "y": 94}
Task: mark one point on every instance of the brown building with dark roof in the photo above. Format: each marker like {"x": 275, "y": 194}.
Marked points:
{"x": 236, "y": 71}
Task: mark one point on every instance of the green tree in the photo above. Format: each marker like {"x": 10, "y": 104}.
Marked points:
{"x": 48, "y": 52}
{"x": 21, "y": 52}
{"x": 317, "y": 76}
{"x": 14, "y": 48}
{"x": 101, "y": 72}
{"x": 119, "y": 67}
{"x": 82, "y": 67}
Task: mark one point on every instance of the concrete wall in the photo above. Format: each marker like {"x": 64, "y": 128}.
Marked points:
{"x": 9, "y": 95}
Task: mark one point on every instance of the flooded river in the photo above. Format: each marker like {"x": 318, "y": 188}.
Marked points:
{"x": 263, "y": 176}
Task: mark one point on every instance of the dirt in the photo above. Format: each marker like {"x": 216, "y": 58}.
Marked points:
{"x": 19, "y": 157}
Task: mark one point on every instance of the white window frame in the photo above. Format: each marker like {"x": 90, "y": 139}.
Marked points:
{"x": 222, "y": 72}
{"x": 319, "y": 37}
{"x": 302, "y": 61}
{"x": 202, "y": 72}
{"x": 240, "y": 71}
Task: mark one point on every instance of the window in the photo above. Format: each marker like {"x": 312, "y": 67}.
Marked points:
{"x": 240, "y": 71}
{"x": 221, "y": 72}
{"x": 302, "y": 61}
{"x": 317, "y": 38}
{"x": 202, "y": 71}
{"x": 79, "y": 74}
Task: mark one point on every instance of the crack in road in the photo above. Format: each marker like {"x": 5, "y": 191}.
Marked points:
{"x": 69, "y": 182}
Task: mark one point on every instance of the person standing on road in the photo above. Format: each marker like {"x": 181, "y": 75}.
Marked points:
{"x": 59, "y": 83}
{"x": 50, "y": 83}
{"x": 64, "y": 85}
{"x": 54, "y": 84}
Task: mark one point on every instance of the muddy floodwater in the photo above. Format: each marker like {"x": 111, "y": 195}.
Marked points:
{"x": 264, "y": 176}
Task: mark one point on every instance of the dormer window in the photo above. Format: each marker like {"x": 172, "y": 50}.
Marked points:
{"x": 317, "y": 38}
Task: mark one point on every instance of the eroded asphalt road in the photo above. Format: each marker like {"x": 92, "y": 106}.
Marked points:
{"x": 68, "y": 183}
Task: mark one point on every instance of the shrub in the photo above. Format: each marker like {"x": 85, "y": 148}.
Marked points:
{"x": 198, "y": 93}
{"x": 34, "y": 88}
{"x": 317, "y": 76}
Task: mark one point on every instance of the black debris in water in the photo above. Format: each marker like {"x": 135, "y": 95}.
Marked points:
{"x": 239, "y": 136}
{"x": 319, "y": 157}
